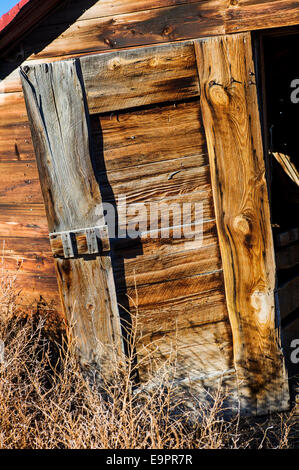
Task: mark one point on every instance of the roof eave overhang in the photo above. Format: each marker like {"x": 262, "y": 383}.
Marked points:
{"x": 21, "y": 19}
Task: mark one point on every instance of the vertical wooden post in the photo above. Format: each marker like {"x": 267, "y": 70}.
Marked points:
{"x": 59, "y": 124}
{"x": 232, "y": 126}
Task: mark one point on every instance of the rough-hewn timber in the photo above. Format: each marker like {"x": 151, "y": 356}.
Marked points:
{"x": 231, "y": 121}
{"x": 56, "y": 111}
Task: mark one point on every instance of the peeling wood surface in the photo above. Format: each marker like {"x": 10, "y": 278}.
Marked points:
{"x": 56, "y": 111}
{"x": 231, "y": 122}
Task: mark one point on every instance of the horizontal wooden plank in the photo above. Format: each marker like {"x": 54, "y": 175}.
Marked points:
{"x": 172, "y": 292}
{"x": 35, "y": 288}
{"x": 15, "y": 143}
{"x": 114, "y": 25}
{"x": 156, "y": 181}
{"x": 143, "y": 136}
{"x": 288, "y": 237}
{"x": 15, "y": 138}
{"x": 149, "y": 246}
{"x": 256, "y": 14}
{"x": 157, "y": 25}
{"x": 145, "y": 27}
{"x": 12, "y": 109}
{"x": 9, "y": 79}
{"x": 23, "y": 220}
{"x": 150, "y": 260}
{"x": 190, "y": 20}
{"x": 27, "y": 255}
{"x": 180, "y": 303}
{"x": 207, "y": 349}
{"x": 288, "y": 295}
{"x": 168, "y": 74}
{"x": 102, "y": 8}
{"x": 150, "y": 218}
{"x": 287, "y": 257}
{"x": 21, "y": 183}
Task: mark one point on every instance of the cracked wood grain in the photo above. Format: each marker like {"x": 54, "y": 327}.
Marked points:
{"x": 59, "y": 124}
{"x": 231, "y": 121}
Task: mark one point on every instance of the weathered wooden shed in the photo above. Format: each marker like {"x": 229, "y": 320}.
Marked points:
{"x": 132, "y": 103}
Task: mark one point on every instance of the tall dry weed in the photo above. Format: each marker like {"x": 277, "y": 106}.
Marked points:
{"x": 47, "y": 401}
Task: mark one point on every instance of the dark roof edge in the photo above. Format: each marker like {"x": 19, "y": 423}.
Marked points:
{"x": 21, "y": 19}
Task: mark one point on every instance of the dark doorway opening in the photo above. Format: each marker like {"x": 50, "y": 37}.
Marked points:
{"x": 279, "y": 92}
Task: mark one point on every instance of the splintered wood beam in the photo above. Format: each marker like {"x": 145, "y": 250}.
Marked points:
{"x": 59, "y": 125}
{"x": 232, "y": 126}
{"x": 288, "y": 166}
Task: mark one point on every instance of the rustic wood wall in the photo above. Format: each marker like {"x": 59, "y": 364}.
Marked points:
{"x": 84, "y": 27}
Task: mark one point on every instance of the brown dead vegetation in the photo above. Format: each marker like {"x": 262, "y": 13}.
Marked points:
{"x": 46, "y": 402}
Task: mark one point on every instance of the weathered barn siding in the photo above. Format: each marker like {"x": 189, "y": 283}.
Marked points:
{"x": 137, "y": 140}
{"x": 179, "y": 282}
{"x": 148, "y": 154}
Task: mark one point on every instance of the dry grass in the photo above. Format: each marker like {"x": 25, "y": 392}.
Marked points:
{"x": 46, "y": 401}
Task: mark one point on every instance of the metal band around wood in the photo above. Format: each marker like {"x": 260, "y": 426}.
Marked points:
{"x": 86, "y": 241}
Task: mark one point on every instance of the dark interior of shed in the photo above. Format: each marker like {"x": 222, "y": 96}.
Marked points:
{"x": 280, "y": 96}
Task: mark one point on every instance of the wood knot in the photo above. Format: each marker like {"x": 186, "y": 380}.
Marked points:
{"x": 241, "y": 224}
{"x": 109, "y": 42}
{"x": 114, "y": 63}
{"x": 218, "y": 94}
{"x": 167, "y": 30}
{"x": 262, "y": 302}
{"x": 154, "y": 62}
